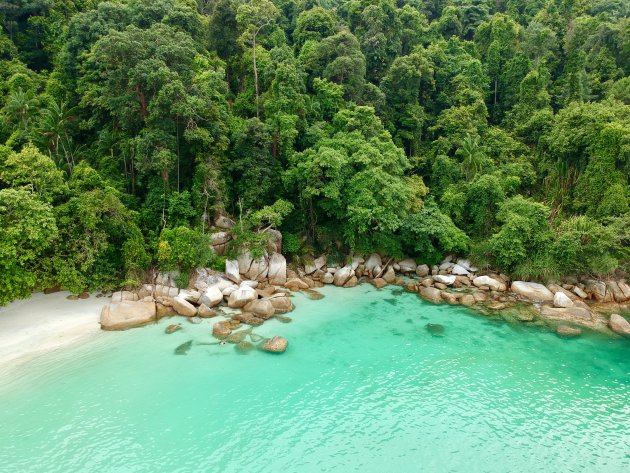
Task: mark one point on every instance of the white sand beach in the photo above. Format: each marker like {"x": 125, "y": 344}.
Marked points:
{"x": 31, "y": 327}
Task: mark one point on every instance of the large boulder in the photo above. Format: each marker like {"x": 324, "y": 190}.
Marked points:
{"x": 262, "y": 308}
{"x": 431, "y": 294}
{"x": 275, "y": 345}
{"x": 352, "y": 282}
{"x": 379, "y": 283}
{"x": 408, "y": 265}
{"x": 274, "y": 245}
{"x": 459, "y": 270}
{"x": 422, "y": 270}
{"x": 598, "y": 290}
{"x": 244, "y": 261}
{"x": 619, "y": 325}
{"x": 282, "y": 304}
{"x": 560, "y": 299}
{"x": 224, "y": 222}
{"x": 533, "y": 291}
{"x": 343, "y": 275}
{"x": 277, "y": 269}
{"x": 241, "y": 296}
{"x": 232, "y": 271}
{"x": 258, "y": 269}
{"x": 374, "y": 261}
{"x": 127, "y": 314}
{"x": 213, "y": 296}
{"x": 625, "y": 289}
{"x": 183, "y": 307}
{"x": 448, "y": 280}
{"x": 390, "y": 275}
{"x": 296, "y": 284}
{"x": 613, "y": 288}
{"x": 328, "y": 278}
{"x": 464, "y": 263}
{"x": 487, "y": 281}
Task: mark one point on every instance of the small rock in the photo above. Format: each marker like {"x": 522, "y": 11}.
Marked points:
{"x": 275, "y": 345}
{"x": 436, "y": 330}
{"x": 173, "y": 328}
{"x": 422, "y": 270}
{"x": 328, "y": 278}
{"x": 431, "y": 294}
{"x": 244, "y": 347}
{"x": 84, "y": 295}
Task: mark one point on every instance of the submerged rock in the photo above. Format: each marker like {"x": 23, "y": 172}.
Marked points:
{"x": 275, "y": 345}
{"x": 565, "y": 331}
{"x": 313, "y": 294}
{"x": 221, "y": 330}
{"x": 244, "y": 346}
{"x": 283, "y": 318}
{"x": 173, "y": 328}
{"x": 184, "y": 348}
{"x": 436, "y": 330}
{"x": 194, "y": 320}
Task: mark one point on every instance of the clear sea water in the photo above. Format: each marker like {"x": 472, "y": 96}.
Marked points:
{"x": 363, "y": 387}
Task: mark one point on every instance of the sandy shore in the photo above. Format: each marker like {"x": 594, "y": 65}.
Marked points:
{"x": 31, "y": 327}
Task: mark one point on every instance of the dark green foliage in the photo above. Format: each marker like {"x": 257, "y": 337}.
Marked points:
{"x": 409, "y": 128}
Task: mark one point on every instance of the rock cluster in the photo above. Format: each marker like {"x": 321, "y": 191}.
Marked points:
{"x": 253, "y": 290}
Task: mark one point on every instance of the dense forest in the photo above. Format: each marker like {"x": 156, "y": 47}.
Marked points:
{"x": 498, "y": 129}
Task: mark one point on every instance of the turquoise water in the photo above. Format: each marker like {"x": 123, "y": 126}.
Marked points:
{"x": 363, "y": 387}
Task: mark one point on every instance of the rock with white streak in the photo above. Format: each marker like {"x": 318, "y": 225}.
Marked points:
{"x": 277, "y": 273}
{"x": 560, "y": 299}
{"x": 448, "y": 280}
{"x": 492, "y": 283}
{"x": 343, "y": 275}
{"x": 232, "y": 271}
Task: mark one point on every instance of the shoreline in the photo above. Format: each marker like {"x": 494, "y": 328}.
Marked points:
{"x": 30, "y": 328}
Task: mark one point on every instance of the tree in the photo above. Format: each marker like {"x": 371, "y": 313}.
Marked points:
{"x": 472, "y": 156}
{"x": 27, "y": 230}
{"x": 253, "y": 17}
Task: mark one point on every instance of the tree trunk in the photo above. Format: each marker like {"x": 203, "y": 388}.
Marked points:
{"x": 255, "y": 76}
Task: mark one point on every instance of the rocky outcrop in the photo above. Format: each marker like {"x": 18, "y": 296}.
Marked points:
{"x": 533, "y": 291}
{"x": 258, "y": 269}
{"x": 619, "y": 325}
{"x": 127, "y": 314}
{"x": 275, "y": 345}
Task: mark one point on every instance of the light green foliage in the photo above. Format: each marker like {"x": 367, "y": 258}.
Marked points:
{"x": 430, "y": 234}
{"x": 524, "y": 231}
{"x": 183, "y": 248}
{"x": 27, "y": 230}
{"x": 32, "y": 170}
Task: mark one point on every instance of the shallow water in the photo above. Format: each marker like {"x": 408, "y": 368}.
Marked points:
{"x": 364, "y": 386}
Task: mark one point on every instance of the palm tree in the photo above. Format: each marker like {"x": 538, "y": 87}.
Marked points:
{"x": 18, "y": 108}
{"x": 472, "y": 156}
